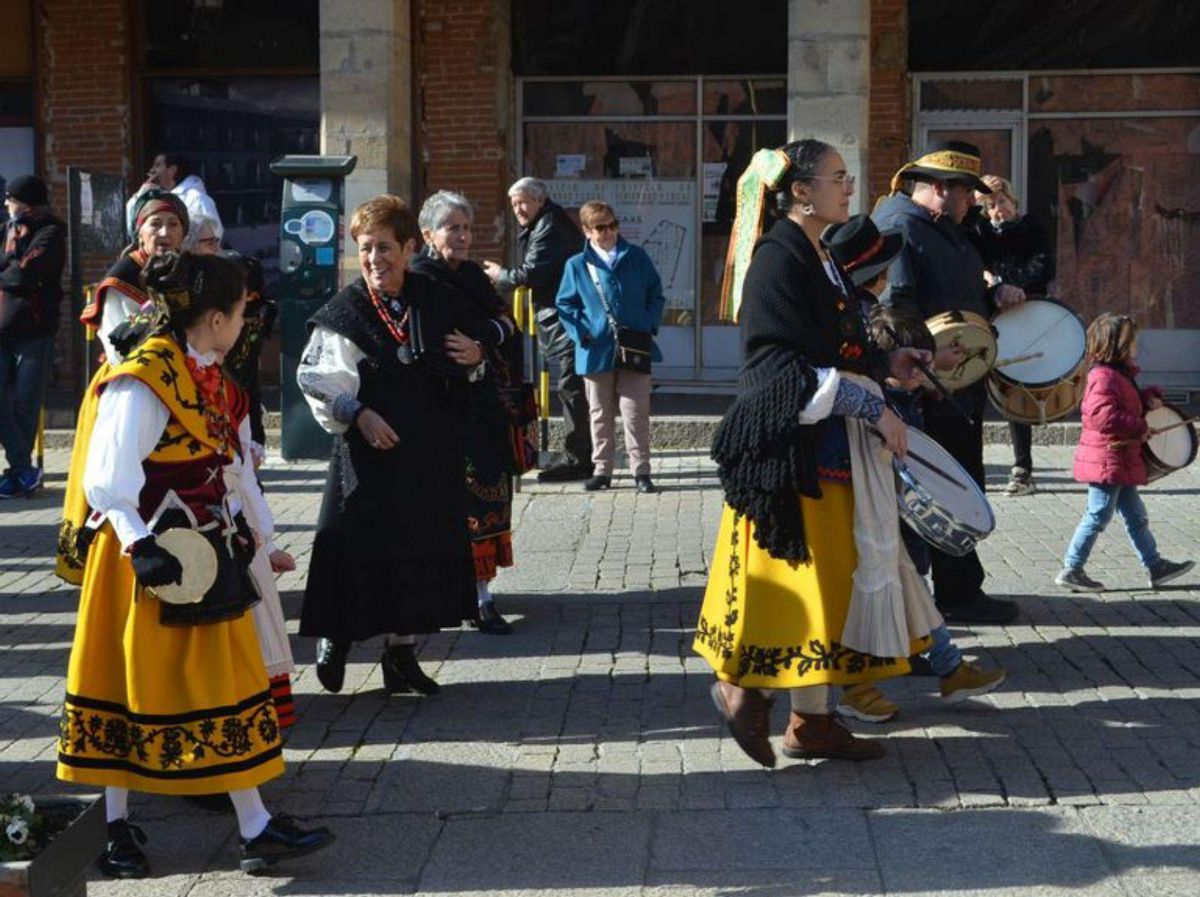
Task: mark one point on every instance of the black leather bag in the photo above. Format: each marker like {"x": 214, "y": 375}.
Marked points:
{"x": 634, "y": 348}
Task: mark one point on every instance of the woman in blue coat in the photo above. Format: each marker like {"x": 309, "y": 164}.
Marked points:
{"x": 611, "y": 284}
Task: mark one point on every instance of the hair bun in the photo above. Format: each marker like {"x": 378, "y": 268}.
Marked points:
{"x": 168, "y": 273}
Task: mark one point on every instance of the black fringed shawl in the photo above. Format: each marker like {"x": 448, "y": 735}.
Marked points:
{"x": 793, "y": 321}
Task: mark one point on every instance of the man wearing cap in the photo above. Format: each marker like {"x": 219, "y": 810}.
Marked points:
{"x": 940, "y": 270}
{"x": 35, "y": 250}
{"x": 169, "y": 171}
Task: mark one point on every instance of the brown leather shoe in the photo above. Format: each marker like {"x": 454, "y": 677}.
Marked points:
{"x": 748, "y": 714}
{"x": 811, "y": 735}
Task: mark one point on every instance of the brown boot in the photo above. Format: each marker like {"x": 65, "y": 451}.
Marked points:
{"x": 748, "y": 714}
{"x": 812, "y": 735}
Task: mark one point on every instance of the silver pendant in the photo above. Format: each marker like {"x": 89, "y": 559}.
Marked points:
{"x": 405, "y": 354}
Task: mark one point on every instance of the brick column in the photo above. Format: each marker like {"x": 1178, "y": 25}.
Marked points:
{"x": 829, "y": 78}
{"x": 366, "y": 98}
{"x": 890, "y": 125}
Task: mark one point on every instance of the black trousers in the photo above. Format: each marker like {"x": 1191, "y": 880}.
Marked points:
{"x": 1022, "y": 443}
{"x": 958, "y": 580}
{"x": 556, "y": 347}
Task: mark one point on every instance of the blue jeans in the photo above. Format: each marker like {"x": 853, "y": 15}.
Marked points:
{"x": 1102, "y": 501}
{"x": 943, "y": 655}
{"x": 24, "y": 368}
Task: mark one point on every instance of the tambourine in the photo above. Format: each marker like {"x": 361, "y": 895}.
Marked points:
{"x": 198, "y": 559}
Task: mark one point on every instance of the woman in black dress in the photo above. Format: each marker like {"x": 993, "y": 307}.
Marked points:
{"x": 387, "y": 369}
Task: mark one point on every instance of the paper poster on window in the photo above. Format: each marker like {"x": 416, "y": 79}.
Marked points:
{"x": 635, "y": 167}
{"x": 714, "y": 172}
{"x": 659, "y": 216}
{"x": 569, "y": 165}
{"x": 85, "y": 198}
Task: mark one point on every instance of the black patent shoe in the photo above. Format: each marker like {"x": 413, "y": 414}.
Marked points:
{"x": 644, "y": 484}
{"x": 490, "y": 621}
{"x": 402, "y": 674}
{"x": 282, "y": 839}
{"x": 122, "y": 858}
{"x": 331, "y": 663}
{"x": 214, "y": 803}
{"x": 598, "y": 482}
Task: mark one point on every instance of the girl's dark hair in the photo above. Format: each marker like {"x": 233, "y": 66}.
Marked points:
{"x": 192, "y": 285}
{"x": 908, "y": 326}
{"x": 1110, "y": 338}
{"x": 806, "y": 156}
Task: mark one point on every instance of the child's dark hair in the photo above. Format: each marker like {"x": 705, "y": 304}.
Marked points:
{"x": 805, "y": 156}
{"x": 1110, "y": 338}
{"x": 908, "y": 326}
{"x": 192, "y": 285}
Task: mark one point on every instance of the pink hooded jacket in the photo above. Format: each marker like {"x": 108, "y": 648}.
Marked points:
{"x": 1113, "y": 410}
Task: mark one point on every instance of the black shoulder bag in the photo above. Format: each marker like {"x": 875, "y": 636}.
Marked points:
{"x": 634, "y": 347}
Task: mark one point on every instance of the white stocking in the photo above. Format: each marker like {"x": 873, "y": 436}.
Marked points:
{"x": 252, "y": 816}
{"x": 813, "y": 700}
{"x": 482, "y": 592}
{"x": 116, "y": 803}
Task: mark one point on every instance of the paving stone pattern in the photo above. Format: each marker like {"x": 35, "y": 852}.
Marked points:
{"x": 581, "y": 755}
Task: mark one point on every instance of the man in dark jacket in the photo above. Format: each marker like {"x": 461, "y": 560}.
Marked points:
{"x": 30, "y": 294}
{"x": 940, "y": 270}
{"x": 547, "y": 239}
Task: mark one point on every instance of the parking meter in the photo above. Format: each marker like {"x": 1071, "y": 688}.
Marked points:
{"x": 310, "y": 244}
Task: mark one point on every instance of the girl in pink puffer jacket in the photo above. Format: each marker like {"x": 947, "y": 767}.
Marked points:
{"x": 1109, "y": 456}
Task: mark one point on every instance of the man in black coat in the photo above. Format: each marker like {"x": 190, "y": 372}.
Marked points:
{"x": 940, "y": 270}
{"x": 547, "y": 239}
{"x": 35, "y": 251}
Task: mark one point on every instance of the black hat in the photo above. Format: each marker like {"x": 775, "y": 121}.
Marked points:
{"x": 946, "y": 160}
{"x": 860, "y": 249}
{"x": 28, "y": 189}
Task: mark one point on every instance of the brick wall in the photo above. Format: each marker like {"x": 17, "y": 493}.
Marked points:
{"x": 888, "y": 131}
{"x": 464, "y": 131}
{"x": 83, "y": 109}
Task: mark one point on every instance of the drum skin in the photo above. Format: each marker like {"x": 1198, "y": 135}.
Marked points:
{"x": 1173, "y": 450}
{"x": 974, "y": 334}
{"x": 939, "y": 500}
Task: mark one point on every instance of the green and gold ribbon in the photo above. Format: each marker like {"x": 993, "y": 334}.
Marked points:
{"x": 763, "y": 173}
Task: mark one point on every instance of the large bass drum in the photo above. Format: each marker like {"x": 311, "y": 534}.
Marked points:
{"x": 939, "y": 499}
{"x": 1041, "y": 362}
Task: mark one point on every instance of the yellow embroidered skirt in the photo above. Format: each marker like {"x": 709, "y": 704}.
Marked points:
{"x": 166, "y": 709}
{"x": 68, "y": 564}
{"x": 770, "y": 623}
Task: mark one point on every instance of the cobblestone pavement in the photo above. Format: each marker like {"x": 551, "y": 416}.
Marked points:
{"x": 581, "y": 754}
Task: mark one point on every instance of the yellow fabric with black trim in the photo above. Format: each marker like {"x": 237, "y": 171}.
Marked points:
{"x": 770, "y": 623}
{"x": 167, "y": 709}
{"x": 68, "y": 563}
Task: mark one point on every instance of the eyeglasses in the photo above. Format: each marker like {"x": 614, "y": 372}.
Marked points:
{"x": 843, "y": 180}
{"x": 606, "y": 226}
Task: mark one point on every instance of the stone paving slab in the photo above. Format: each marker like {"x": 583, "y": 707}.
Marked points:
{"x": 581, "y": 754}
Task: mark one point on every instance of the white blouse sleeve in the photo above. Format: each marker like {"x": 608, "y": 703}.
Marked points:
{"x": 254, "y": 503}
{"x": 118, "y": 308}
{"x": 130, "y": 419}
{"x": 328, "y": 377}
{"x": 820, "y": 406}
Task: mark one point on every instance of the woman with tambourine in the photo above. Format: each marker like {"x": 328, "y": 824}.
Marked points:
{"x": 810, "y": 585}
{"x": 166, "y": 688}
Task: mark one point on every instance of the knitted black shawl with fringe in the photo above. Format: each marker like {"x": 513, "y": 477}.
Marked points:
{"x": 793, "y": 320}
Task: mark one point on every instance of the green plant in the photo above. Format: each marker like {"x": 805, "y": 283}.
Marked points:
{"x": 26, "y": 831}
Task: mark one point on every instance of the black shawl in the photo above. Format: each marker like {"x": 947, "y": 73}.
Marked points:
{"x": 793, "y": 320}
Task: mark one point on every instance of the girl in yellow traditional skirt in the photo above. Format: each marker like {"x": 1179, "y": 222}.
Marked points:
{"x": 160, "y": 224}
{"x": 172, "y": 697}
{"x": 810, "y": 585}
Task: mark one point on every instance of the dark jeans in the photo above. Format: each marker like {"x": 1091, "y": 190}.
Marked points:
{"x": 556, "y": 347}
{"x": 24, "y": 367}
{"x": 958, "y": 580}
{"x": 1022, "y": 443}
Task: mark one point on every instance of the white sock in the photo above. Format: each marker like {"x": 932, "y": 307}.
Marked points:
{"x": 116, "y": 803}
{"x": 482, "y": 592}
{"x": 813, "y": 699}
{"x": 252, "y": 816}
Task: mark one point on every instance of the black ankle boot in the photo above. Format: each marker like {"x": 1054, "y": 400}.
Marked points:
{"x": 402, "y": 673}
{"x": 331, "y": 663}
{"x": 122, "y": 858}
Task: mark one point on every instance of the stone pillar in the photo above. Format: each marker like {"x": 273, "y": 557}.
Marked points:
{"x": 829, "y": 79}
{"x": 366, "y": 98}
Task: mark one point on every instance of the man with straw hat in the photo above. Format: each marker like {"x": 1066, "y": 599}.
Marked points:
{"x": 940, "y": 270}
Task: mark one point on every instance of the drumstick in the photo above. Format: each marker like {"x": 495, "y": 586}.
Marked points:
{"x": 1179, "y": 423}
{"x": 933, "y": 378}
{"x": 1017, "y": 359}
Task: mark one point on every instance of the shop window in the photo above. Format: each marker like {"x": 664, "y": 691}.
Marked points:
{"x": 610, "y": 149}
{"x": 246, "y": 34}
{"x": 1114, "y": 93}
{"x": 975, "y": 94}
{"x": 995, "y": 147}
{"x": 1120, "y": 198}
{"x": 561, "y": 99}
{"x": 758, "y": 96}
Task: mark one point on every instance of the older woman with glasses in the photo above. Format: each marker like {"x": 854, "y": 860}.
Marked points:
{"x": 608, "y": 291}
{"x": 445, "y": 224}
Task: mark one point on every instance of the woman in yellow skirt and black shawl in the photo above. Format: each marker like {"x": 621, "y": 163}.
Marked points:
{"x": 164, "y": 697}
{"x": 788, "y": 604}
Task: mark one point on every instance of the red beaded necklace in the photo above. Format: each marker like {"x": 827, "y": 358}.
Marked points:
{"x": 398, "y": 329}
